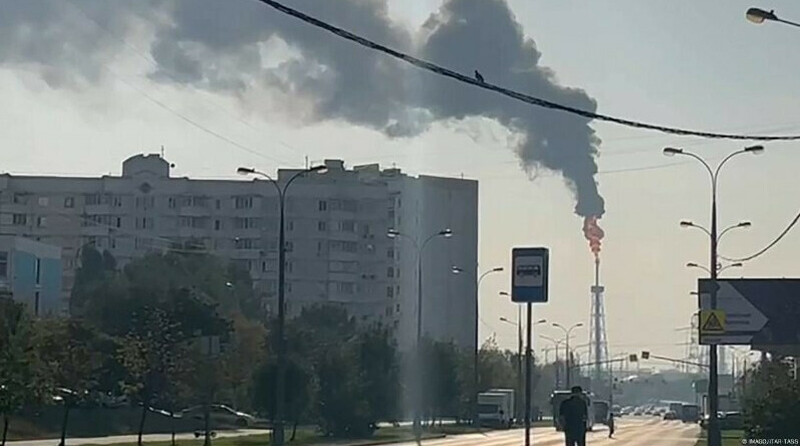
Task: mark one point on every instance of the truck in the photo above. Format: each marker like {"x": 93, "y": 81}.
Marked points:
{"x": 690, "y": 413}
{"x": 601, "y": 411}
{"x": 496, "y": 408}
{"x": 558, "y": 397}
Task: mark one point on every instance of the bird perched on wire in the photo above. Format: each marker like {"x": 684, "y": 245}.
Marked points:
{"x": 478, "y": 76}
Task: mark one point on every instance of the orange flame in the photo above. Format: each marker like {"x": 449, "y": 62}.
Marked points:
{"x": 593, "y": 233}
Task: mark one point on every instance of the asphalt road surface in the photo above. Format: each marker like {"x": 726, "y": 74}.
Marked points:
{"x": 630, "y": 431}
{"x": 113, "y": 440}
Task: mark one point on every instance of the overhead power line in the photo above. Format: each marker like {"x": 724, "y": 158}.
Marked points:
{"x": 437, "y": 69}
{"x": 770, "y": 245}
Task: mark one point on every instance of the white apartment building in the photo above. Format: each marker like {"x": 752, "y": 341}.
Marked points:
{"x": 336, "y": 232}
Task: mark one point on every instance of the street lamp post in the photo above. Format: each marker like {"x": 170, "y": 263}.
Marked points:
{"x": 556, "y": 344}
{"x": 278, "y": 433}
{"x": 420, "y": 249}
{"x": 457, "y": 270}
{"x": 567, "y": 332}
{"x": 714, "y": 436}
{"x": 518, "y": 323}
{"x": 719, "y": 270}
{"x": 759, "y": 16}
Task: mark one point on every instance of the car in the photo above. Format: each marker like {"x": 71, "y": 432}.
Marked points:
{"x": 731, "y": 420}
{"x": 727, "y": 420}
{"x": 220, "y": 413}
{"x": 670, "y": 415}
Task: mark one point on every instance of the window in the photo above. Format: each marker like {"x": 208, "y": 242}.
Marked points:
{"x": 347, "y": 226}
{"x": 112, "y": 243}
{"x": 172, "y": 203}
{"x": 246, "y": 243}
{"x": 390, "y": 252}
{"x": 343, "y": 246}
{"x": 389, "y": 291}
{"x": 241, "y": 202}
{"x": 118, "y": 222}
{"x": 349, "y": 205}
{"x": 322, "y": 226}
{"x": 199, "y": 201}
{"x": 116, "y": 201}
{"x": 69, "y": 202}
{"x": 289, "y": 246}
{"x": 345, "y": 287}
{"x": 20, "y": 198}
{"x": 289, "y": 266}
{"x": 217, "y": 224}
{"x": 390, "y": 272}
{"x": 44, "y": 201}
{"x": 218, "y": 204}
{"x": 397, "y": 307}
{"x": 290, "y": 226}
{"x": 323, "y": 205}
{"x": 19, "y": 219}
{"x": 3, "y": 264}
{"x": 41, "y": 221}
{"x": 245, "y": 223}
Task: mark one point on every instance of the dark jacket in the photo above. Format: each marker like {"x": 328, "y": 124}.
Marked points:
{"x": 573, "y": 413}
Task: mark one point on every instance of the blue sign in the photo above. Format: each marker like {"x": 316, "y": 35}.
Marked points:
{"x": 529, "y": 274}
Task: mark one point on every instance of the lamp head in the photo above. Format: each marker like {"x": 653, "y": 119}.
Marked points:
{"x": 244, "y": 170}
{"x": 672, "y": 151}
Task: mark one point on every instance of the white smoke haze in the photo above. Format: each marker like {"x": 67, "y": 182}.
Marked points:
{"x": 246, "y": 50}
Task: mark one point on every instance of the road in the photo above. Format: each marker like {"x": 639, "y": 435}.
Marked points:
{"x": 630, "y": 431}
{"x": 116, "y": 440}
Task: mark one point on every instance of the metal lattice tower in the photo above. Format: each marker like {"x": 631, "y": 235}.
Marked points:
{"x": 693, "y": 349}
{"x": 598, "y": 344}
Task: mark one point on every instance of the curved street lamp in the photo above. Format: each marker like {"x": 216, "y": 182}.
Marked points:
{"x": 567, "y": 332}
{"x": 420, "y": 250}
{"x": 759, "y": 16}
{"x": 281, "y": 352}
{"x": 720, "y": 268}
{"x": 714, "y": 436}
{"x": 458, "y": 270}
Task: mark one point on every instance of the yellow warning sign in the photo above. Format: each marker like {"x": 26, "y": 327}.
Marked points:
{"x": 712, "y": 322}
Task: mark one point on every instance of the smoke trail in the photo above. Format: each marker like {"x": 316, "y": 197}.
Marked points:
{"x": 231, "y": 47}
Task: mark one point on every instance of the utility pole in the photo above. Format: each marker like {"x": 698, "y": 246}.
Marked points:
{"x": 528, "y": 329}
{"x": 714, "y": 435}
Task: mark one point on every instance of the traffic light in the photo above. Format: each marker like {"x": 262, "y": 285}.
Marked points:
{"x": 645, "y": 355}
{"x": 632, "y": 358}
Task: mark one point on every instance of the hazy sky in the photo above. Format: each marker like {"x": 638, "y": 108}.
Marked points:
{"x": 684, "y": 63}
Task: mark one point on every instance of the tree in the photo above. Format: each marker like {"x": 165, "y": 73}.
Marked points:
{"x": 379, "y": 372}
{"x": 21, "y": 377}
{"x": 93, "y": 270}
{"x": 244, "y": 354}
{"x": 443, "y": 382}
{"x": 299, "y": 390}
{"x": 154, "y": 357}
{"x": 73, "y": 353}
{"x": 771, "y": 404}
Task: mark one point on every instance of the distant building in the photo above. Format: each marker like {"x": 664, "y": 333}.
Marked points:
{"x": 30, "y": 273}
{"x": 336, "y": 232}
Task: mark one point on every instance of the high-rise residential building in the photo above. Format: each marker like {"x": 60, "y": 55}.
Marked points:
{"x": 337, "y": 246}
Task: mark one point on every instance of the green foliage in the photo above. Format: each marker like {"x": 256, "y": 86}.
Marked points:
{"x": 22, "y": 379}
{"x": 771, "y": 407}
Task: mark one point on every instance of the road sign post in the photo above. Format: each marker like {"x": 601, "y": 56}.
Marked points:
{"x": 529, "y": 281}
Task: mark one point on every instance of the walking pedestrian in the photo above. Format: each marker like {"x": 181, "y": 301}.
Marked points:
{"x": 574, "y": 412}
